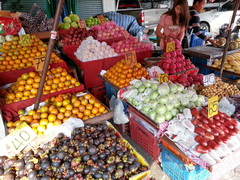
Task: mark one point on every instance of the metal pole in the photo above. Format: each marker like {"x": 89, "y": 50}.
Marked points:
{"x": 49, "y": 51}
{"x": 229, "y": 36}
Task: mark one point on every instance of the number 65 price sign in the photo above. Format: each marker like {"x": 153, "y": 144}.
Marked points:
{"x": 212, "y": 106}
{"x": 20, "y": 137}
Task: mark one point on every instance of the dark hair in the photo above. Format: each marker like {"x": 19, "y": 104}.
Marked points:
{"x": 195, "y": 1}
{"x": 184, "y": 16}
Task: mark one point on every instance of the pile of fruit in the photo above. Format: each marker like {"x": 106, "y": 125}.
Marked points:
{"x": 75, "y": 36}
{"x": 27, "y": 85}
{"x": 232, "y": 63}
{"x": 91, "y": 21}
{"x": 175, "y": 62}
{"x": 69, "y": 21}
{"x": 58, "y": 109}
{"x": 121, "y": 74}
{"x": 108, "y": 30}
{"x": 92, "y": 152}
{"x": 3, "y": 39}
{"x": 189, "y": 79}
{"x": 220, "y": 89}
{"x": 15, "y": 56}
{"x": 130, "y": 44}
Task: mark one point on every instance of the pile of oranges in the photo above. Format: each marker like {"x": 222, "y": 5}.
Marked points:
{"x": 58, "y": 109}
{"x": 27, "y": 85}
{"x": 15, "y": 56}
{"x": 121, "y": 74}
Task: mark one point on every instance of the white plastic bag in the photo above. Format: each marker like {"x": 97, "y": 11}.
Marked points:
{"x": 116, "y": 105}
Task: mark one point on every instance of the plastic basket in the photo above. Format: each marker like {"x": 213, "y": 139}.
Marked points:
{"x": 198, "y": 62}
{"x": 196, "y": 41}
{"x": 226, "y": 75}
{"x": 144, "y": 139}
{"x": 177, "y": 170}
{"x": 99, "y": 92}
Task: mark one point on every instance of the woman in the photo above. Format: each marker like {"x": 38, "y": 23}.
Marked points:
{"x": 173, "y": 23}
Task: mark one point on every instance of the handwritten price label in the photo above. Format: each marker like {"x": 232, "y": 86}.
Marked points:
{"x": 163, "y": 78}
{"x": 212, "y": 106}
{"x": 20, "y": 137}
{"x": 209, "y": 79}
{"x": 25, "y": 40}
{"x": 38, "y": 63}
{"x": 131, "y": 59}
{"x": 82, "y": 23}
{"x": 170, "y": 46}
{"x": 101, "y": 18}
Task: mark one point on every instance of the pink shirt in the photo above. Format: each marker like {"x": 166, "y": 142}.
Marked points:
{"x": 169, "y": 29}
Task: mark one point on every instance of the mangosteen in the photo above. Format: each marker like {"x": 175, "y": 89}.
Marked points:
{"x": 9, "y": 176}
{"x": 130, "y": 158}
{"x": 21, "y": 172}
{"x": 71, "y": 150}
{"x": 32, "y": 174}
{"x": 75, "y": 143}
{"x": 119, "y": 173}
{"x": 114, "y": 137}
{"x": 107, "y": 152}
{"x": 86, "y": 157}
{"x": 137, "y": 164}
{"x": 101, "y": 139}
{"x": 101, "y": 147}
{"x": 46, "y": 178}
{"x": 87, "y": 170}
{"x": 107, "y": 134}
{"x": 97, "y": 175}
{"x": 40, "y": 151}
{"x": 114, "y": 176}
{"x": 89, "y": 141}
{"x": 80, "y": 168}
{"x": 125, "y": 158}
{"x": 56, "y": 162}
{"x": 126, "y": 165}
{"x": 119, "y": 153}
{"x": 106, "y": 176}
{"x": 29, "y": 165}
{"x": 92, "y": 149}
{"x": 111, "y": 168}
{"x": 112, "y": 149}
{"x": 105, "y": 127}
{"x": 102, "y": 155}
{"x": 96, "y": 142}
{"x": 60, "y": 135}
{"x": 9, "y": 163}
{"x": 75, "y": 161}
{"x": 118, "y": 147}
{"x": 19, "y": 163}
{"x": 3, "y": 159}
{"x": 45, "y": 165}
{"x": 44, "y": 159}
{"x": 125, "y": 171}
{"x": 100, "y": 163}
{"x": 111, "y": 159}
{"x": 94, "y": 157}
{"x": 29, "y": 153}
{"x": 53, "y": 149}
{"x": 64, "y": 148}
{"x": 71, "y": 172}
{"x": 61, "y": 154}
{"x": 82, "y": 150}
{"x": 120, "y": 165}
{"x": 41, "y": 172}
{"x": 132, "y": 168}
{"x": 1, "y": 171}
{"x": 53, "y": 155}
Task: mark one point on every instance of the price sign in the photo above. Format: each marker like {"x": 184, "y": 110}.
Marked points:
{"x": 212, "y": 106}
{"x": 209, "y": 79}
{"x": 101, "y": 18}
{"x": 20, "y": 137}
{"x": 25, "y": 40}
{"x": 163, "y": 78}
{"x": 131, "y": 59}
{"x": 126, "y": 34}
{"x": 82, "y": 23}
{"x": 38, "y": 63}
{"x": 170, "y": 46}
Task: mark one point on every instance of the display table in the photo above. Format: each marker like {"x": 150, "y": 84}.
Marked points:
{"x": 92, "y": 69}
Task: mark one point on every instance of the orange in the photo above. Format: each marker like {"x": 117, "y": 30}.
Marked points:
{"x": 21, "y": 88}
{"x": 26, "y": 93}
{"x": 76, "y": 103}
{"x": 62, "y": 109}
{"x": 80, "y": 115}
{"x": 97, "y": 104}
{"x": 21, "y": 112}
{"x": 67, "y": 83}
{"x": 86, "y": 112}
{"x": 94, "y": 110}
{"x": 44, "y": 115}
{"x": 30, "y": 81}
{"x": 31, "y": 112}
{"x": 52, "y": 117}
{"x": 67, "y": 113}
{"x": 35, "y": 85}
{"x": 73, "y": 80}
{"x": 34, "y": 91}
{"x": 57, "y": 122}
{"x": 101, "y": 109}
{"x": 19, "y": 95}
{"x": 84, "y": 102}
{"x": 75, "y": 110}
{"x": 58, "y": 103}
{"x": 25, "y": 76}
{"x": 10, "y": 96}
{"x": 54, "y": 111}
{"x": 44, "y": 109}
{"x": 81, "y": 108}
{"x": 89, "y": 106}
{"x": 54, "y": 86}
{"x": 56, "y": 80}
{"x": 32, "y": 74}
{"x": 37, "y": 115}
{"x": 69, "y": 107}
{"x": 87, "y": 96}
{"x": 9, "y": 124}
{"x": 60, "y": 115}
{"x": 34, "y": 123}
{"x": 66, "y": 102}
{"x": 43, "y": 122}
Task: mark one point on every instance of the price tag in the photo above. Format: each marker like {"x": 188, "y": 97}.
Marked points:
{"x": 170, "y": 46}
{"x": 20, "y": 137}
{"x": 131, "y": 59}
{"x": 212, "y": 106}
{"x": 38, "y": 63}
{"x": 163, "y": 78}
{"x": 82, "y": 23}
{"x": 25, "y": 40}
{"x": 209, "y": 79}
{"x": 126, "y": 34}
{"x": 101, "y": 18}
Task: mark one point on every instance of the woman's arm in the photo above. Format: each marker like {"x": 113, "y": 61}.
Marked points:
{"x": 160, "y": 27}
{"x": 181, "y": 34}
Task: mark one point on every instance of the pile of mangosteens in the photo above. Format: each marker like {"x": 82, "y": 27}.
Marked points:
{"x": 92, "y": 152}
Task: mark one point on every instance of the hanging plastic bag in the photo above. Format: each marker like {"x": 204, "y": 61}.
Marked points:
{"x": 116, "y": 105}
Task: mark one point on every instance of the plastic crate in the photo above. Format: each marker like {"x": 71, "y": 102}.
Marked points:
{"x": 145, "y": 139}
{"x": 178, "y": 170}
{"x": 99, "y": 92}
{"x": 196, "y": 41}
{"x": 198, "y": 62}
{"x": 226, "y": 75}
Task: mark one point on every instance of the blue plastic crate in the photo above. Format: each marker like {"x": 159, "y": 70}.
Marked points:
{"x": 226, "y": 75}
{"x": 196, "y": 41}
{"x": 198, "y": 62}
{"x": 178, "y": 170}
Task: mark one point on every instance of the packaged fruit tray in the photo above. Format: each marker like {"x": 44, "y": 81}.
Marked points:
{"x": 56, "y": 110}
{"x": 108, "y": 156}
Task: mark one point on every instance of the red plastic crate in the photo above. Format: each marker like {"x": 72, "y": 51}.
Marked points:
{"x": 99, "y": 92}
{"x": 144, "y": 139}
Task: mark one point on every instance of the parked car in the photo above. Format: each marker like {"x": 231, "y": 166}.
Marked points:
{"x": 213, "y": 20}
